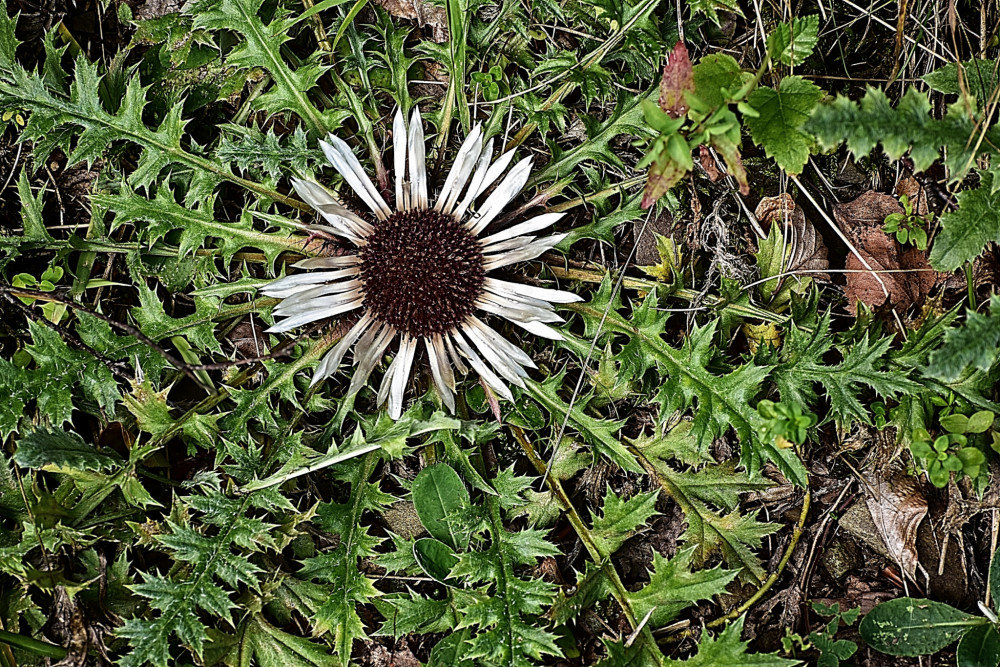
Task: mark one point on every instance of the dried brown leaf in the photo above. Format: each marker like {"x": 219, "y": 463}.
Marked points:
{"x": 809, "y": 253}
{"x": 425, "y": 14}
{"x": 861, "y": 221}
{"x": 897, "y": 507}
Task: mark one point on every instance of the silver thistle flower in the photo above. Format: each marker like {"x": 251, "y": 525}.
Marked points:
{"x": 419, "y": 272}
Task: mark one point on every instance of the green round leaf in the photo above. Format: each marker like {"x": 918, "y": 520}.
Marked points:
{"x": 955, "y": 423}
{"x": 980, "y": 422}
{"x": 438, "y": 494}
{"x": 912, "y": 627}
{"x": 980, "y": 647}
{"x": 435, "y": 558}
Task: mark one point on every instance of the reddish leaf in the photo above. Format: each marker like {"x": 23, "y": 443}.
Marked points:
{"x": 661, "y": 178}
{"x": 730, "y": 152}
{"x": 677, "y": 78}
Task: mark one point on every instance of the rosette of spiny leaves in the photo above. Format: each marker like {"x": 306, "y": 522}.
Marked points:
{"x": 211, "y": 538}
{"x": 493, "y": 611}
{"x": 718, "y": 401}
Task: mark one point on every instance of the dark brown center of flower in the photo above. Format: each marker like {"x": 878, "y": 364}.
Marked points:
{"x": 422, "y": 272}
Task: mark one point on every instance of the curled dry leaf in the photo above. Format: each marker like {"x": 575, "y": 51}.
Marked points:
{"x": 808, "y": 252}
{"x": 708, "y": 163}
{"x": 897, "y": 507}
{"x": 424, "y": 13}
{"x": 911, "y": 187}
{"x": 910, "y": 277}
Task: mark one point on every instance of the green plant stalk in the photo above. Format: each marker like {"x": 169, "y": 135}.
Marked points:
{"x": 35, "y": 646}
{"x": 619, "y": 591}
{"x": 457, "y": 12}
{"x": 797, "y": 532}
{"x": 970, "y": 286}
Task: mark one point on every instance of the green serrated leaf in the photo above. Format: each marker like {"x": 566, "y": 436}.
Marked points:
{"x": 974, "y": 345}
{"x": 728, "y": 650}
{"x": 673, "y": 587}
{"x": 262, "y": 48}
{"x": 966, "y": 231}
{"x": 271, "y": 647}
{"x": 778, "y": 127}
{"x": 620, "y": 518}
{"x": 63, "y": 449}
{"x": 793, "y": 44}
{"x": 910, "y": 126}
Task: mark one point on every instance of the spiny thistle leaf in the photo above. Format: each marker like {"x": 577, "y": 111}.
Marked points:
{"x": 156, "y": 217}
{"x": 262, "y": 48}
{"x": 709, "y": 498}
{"x": 507, "y": 614}
{"x": 865, "y": 363}
{"x": 974, "y": 345}
{"x": 338, "y": 568}
{"x": 63, "y": 449}
{"x": 673, "y": 587}
{"x": 598, "y": 433}
{"x": 620, "y": 518}
{"x": 627, "y": 118}
{"x": 722, "y": 401}
{"x": 216, "y": 564}
{"x": 728, "y": 650}
{"x": 272, "y": 647}
{"x": 872, "y": 121}
{"x": 55, "y": 119}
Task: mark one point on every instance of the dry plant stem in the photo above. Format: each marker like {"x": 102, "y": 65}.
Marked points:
{"x": 555, "y": 486}
{"x": 770, "y": 581}
{"x": 640, "y": 284}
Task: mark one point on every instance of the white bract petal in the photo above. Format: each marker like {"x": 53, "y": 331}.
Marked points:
{"x": 344, "y": 161}
{"x": 488, "y": 376}
{"x": 418, "y": 170}
{"x": 505, "y": 367}
{"x": 441, "y": 370}
{"x": 367, "y": 353}
{"x": 503, "y": 345}
{"x": 482, "y": 166}
{"x": 509, "y": 188}
{"x": 321, "y": 311}
{"x": 530, "y": 291}
{"x": 461, "y": 169}
{"x": 403, "y": 363}
{"x": 324, "y": 203}
{"x": 531, "y": 251}
{"x": 327, "y": 262}
{"x": 527, "y": 227}
{"x": 399, "y": 140}
{"x": 331, "y": 362}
